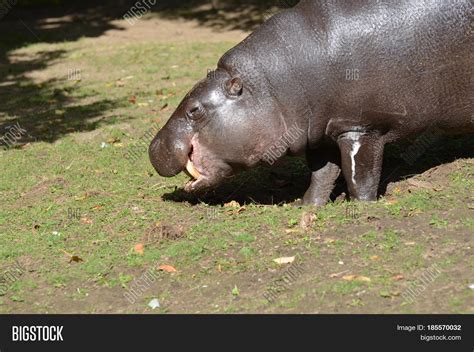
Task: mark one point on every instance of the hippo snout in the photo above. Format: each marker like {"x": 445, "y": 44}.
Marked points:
{"x": 167, "y": 155}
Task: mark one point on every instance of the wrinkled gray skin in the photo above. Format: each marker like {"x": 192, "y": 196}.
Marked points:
{"x": 414, "y": 60}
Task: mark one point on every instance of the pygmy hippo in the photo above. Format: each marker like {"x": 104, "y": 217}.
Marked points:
{"x": 334, "y": 80}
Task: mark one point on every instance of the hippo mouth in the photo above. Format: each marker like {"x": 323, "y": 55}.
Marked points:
{"x": 192, "y": 171}
{"x": 205, "y": 168}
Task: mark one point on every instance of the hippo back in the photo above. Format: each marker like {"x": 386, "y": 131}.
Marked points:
{"x": 412, "y": 58}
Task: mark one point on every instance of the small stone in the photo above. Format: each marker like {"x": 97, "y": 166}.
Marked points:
{"x": 154, "y": 303}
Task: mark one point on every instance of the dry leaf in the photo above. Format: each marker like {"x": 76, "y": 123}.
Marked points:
{"x": 292, "y": 230}
{"x": 113, "y": 140}
{"x": 374, "y": 257}
{"x": 329, "y": 240}
{"x": 133, "y": 100}
{"x": 356, "y": 278}
{"x": 397, "y": 277}
{"x": 167, "y": 268}
{"x": 86, "y": 220}
{"x": 139, "y": 248}
{"x": 75, "y": 259}
{"x": 235, "y": 205}
{"x": 307, "y": 220}
{"x": 284, "y": 260}
{"x": 232, "y": 204}
{"x": 160, "y": 93}
{"x": 338, "y": 274}
{"x": 82, "y": 197}
{"x": 414, "y": 212}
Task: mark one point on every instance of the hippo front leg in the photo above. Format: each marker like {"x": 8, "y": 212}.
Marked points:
{"x": 361, "y": 159}
{"x": 325, "y": 169}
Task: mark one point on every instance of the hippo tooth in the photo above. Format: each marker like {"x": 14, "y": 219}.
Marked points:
{"x": 192, "y": 170}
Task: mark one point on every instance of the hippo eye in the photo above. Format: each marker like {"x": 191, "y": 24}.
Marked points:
{"x": 195, "y": 111}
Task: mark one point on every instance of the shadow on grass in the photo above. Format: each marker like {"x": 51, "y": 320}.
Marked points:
{"x": 288, "y": 181}
{"x": 284, "y": 183}
{"x": 445, "y": 150}
{"x": 46, "y": 112}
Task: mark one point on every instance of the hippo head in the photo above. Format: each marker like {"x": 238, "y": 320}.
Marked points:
{"x": 217, "y": 129}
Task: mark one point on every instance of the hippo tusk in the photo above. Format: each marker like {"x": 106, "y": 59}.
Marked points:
{"x": 192, "y": 170}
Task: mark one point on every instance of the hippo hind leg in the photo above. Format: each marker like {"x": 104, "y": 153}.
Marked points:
{"x": 361, "y": 160}
{"x": 325, "y": 169}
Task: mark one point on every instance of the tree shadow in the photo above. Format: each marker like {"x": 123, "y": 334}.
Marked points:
{"x": 46, "y": 111}
{"x": 222, "y": 15}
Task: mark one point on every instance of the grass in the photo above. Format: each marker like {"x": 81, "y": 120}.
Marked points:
{"x": 66, "y": 196}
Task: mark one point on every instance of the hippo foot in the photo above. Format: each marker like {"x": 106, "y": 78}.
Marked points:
{"x": 306, "y": 201}
{"x": 318, "y": 202}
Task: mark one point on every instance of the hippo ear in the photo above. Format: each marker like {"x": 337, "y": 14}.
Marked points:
{"x": 234, "y": 86}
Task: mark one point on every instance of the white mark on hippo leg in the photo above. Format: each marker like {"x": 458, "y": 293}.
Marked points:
{"x": 354, "y": 150}
{"x": 354, "y": 137}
